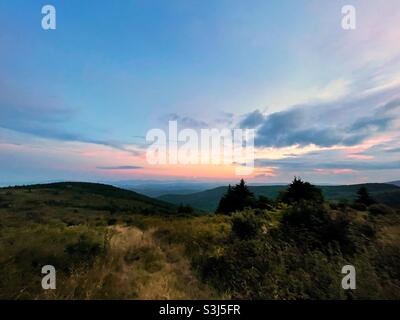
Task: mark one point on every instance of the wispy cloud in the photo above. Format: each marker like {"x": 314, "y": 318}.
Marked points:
{"x": 303, "y": 164}
{"x": 119, "y": 167}
{"x": 394, "y": 150}
{"x": 47, "y": 117}
{"x": 185, "y": 121}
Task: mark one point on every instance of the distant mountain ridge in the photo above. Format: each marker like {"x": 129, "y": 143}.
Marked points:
{"x": 155, "y": 190}
{"x": 208, "y": 200}
{"x": 396, "y": 183}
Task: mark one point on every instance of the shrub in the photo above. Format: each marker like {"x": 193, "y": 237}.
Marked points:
{"x": 112, "y": 221}
{"x": 185, "y": 209}
{"x": 306, "y": 215}
{"x": 266, "y": 268}
{"x": 380, "y": 209}
{"x": 246, "y": 225}
{"x": 359, "y": 206}
{"x": 84, "y": 250}
{"x": 264, "y": 203}
{"x": 73, "y": 221}
{"x": 313, "y": 227}
{"x": 388, "y": 261}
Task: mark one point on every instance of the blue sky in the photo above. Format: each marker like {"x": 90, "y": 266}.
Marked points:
{"x": 76, "y": 102}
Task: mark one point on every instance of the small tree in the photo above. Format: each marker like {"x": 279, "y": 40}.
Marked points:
{"x": 236, "y": 199}
{"x": 299, "y": 190}
{"x": 364, "y": 197}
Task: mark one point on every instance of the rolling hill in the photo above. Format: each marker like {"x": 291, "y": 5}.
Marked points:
{"x": 110, "y": 243}
{"x": 89, "y": 197}
{"x": 208, "y": 200}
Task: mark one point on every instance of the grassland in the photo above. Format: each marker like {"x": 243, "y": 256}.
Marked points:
{"x": 107, "y": 243}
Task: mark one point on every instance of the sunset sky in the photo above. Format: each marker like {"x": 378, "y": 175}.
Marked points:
{"x": 77, "y": 102}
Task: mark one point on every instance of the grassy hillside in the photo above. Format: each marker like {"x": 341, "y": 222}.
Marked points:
{"x": 75, "y": 196}
{"x": 108, "y": 243}
{"x": 208, "y": 200}
{"x": 103, "y": 242}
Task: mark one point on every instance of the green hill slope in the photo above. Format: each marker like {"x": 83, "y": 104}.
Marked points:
{"x": 88, "y": 197}
{"x": 208, "y": 200}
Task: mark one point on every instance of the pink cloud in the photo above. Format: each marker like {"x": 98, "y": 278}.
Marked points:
{"x": 359, "y": 156}
{"x": 333, "y": 171}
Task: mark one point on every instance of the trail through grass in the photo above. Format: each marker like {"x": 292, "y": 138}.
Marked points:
{"x": 136, "y": 267}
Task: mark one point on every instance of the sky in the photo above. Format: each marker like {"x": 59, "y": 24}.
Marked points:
{"x": 77, "y": 102}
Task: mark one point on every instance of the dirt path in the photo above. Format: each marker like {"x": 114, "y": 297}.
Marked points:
{"x": 154, "y": 272}
{"x": 135, "y": 267}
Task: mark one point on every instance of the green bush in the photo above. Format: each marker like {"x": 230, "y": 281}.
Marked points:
{"x": 380, "y": 209}
{"x": 267, "y": 268}
{"x": 112, "y": 221}
{"x": 359, "y": 206}
{"x": 185, "y": 209}
{"x": 84, "y": 250}
{"x": 246, "y": 225}
{"x": 315, "y": 227}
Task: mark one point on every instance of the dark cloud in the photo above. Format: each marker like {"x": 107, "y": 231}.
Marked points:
{"x": 305, "y": 125}
{"x": 373, "y": 123}
{"x": 380, "y": 120}
{"x": 120, "y": 168}
{"x": 252, "y": 120}
{"x": 295, "y": 126}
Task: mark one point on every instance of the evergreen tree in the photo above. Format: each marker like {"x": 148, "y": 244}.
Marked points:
{"x": 364, "y": 197}
{"x": 299, "y": 190}
{"x": 236, "y": 199}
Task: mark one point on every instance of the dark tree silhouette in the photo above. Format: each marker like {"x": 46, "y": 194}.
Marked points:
{"x": 237, "y": 198}
{"x": 183, "y": 209}
{"x": 299, "y": 190}
{"x": 264, "y": 203}
{"x": 364, "y": 197}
